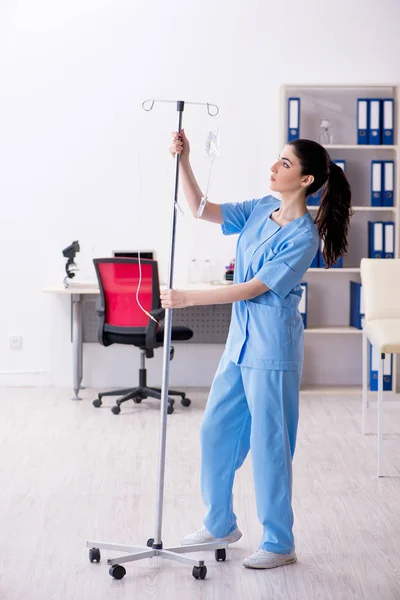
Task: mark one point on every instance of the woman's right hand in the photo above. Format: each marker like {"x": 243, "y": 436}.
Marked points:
{"x": 180, "y": 145}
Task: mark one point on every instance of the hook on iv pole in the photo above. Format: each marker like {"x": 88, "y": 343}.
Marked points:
{"x": 212, "y": 113}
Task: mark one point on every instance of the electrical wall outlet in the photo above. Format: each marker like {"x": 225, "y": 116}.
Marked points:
{"x": 15, "y": 342}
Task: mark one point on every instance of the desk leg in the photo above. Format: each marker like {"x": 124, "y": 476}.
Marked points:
{"x": 80, "y": 345}
{"x": 76, "y": 344}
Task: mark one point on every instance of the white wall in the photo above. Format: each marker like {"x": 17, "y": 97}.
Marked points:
{"x": 79, "y": 159}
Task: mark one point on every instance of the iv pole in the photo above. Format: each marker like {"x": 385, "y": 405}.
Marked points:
{"x": 155, "y": 545}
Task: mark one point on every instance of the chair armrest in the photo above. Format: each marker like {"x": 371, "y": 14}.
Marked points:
{"x": 100, "y": 308}
{"x": 151, "y": 331}
{"x": 158, "y": 313}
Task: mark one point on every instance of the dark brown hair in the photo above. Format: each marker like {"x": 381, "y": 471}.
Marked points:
{"x": 333, "y": 217}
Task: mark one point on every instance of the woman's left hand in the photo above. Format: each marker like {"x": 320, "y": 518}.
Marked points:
{"x": 174, "y": 298}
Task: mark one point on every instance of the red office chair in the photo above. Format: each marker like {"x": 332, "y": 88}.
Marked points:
{"x": 123, "y": 322}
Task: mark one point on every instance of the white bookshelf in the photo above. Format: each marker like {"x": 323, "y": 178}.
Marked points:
{"x": 332, "y": 346}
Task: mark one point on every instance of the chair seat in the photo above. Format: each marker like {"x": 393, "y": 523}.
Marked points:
{"x": 179, "y": 333}
{"x": 384, "y": 334}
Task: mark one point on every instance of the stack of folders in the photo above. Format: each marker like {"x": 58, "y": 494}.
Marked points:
{"x": 375, "y": 121}
{"x": 315, "y": 199}
{"x": 293, "y": 123}
{"x": 319, "y": 262}
{"x": 380, "y": 239}
{"x": 382, "y": 183}
{"x": 303, "y": 305}
{"x": 357, "y": 321}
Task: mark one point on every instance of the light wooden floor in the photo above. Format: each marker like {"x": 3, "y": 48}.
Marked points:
{"x": 70, "y": 472}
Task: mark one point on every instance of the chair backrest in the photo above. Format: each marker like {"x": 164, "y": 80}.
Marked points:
{"x": 380, "y": 280}
{"x": 119, "y": 280}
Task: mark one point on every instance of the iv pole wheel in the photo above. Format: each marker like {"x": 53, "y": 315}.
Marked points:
{"x": 150, "y": 542}
{"x": 199, "y": 572}
{"x": 186, "y": 402}
{"x": 220, "y": 555}
{"x": 94, "y": 555}
{"x": 170, "y": 409}
{"x": 117, "y": 571}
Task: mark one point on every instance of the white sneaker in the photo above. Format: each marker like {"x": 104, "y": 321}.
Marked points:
{"x": 203, "y": 536}
{"x": 262, "y": 559}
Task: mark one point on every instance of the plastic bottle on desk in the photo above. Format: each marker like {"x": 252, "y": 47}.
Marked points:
{"x": 207, "y": 271}
{"x": 194, "y": 272}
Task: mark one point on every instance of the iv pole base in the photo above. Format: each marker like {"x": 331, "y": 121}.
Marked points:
{"x": 176, "y": 554}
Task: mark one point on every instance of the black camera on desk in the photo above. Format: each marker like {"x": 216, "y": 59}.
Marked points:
{"x": 70, "y": 267}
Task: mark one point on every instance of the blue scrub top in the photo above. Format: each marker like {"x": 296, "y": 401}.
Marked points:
{"x": 267, "y": 332}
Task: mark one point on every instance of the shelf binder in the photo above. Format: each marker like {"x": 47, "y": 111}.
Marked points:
{"x": 293, "y": 119}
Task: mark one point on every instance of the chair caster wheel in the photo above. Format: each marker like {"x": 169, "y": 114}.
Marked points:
{"x": 170, "y": 409}
{"x": 117, "y": 571}
{"x": 199, "y": 572}
{"x": 94, "y": 555}
{"x": 220, "y": 554}
{"x": 186, "y": 402}
{"x": 137, "y": 400}
{"x": 97, "y": 403}
{"x": 116, "y": 410}
{"x": 150, "y": 542}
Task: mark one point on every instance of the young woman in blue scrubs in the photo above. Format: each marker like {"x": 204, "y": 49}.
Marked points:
{"x": 254, "y": 399}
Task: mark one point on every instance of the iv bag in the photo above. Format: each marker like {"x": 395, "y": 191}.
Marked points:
{"x": 212, "y": 144}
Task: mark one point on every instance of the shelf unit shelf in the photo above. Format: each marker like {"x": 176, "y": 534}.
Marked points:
{"x": 336, "y": 271}
{"x": 359, "y": 147}
{"x": 364, "y": 208}
{"x": 339, "y": 357}
{"x": 343, "y": 330}
{"x": 332, "y": 390}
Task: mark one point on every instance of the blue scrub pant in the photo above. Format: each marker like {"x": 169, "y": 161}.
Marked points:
{"x": 253, "y": 409}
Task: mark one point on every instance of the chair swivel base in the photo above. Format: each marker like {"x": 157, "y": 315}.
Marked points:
{"x": 117, "y": 571}
{"x": 138, "y": 394}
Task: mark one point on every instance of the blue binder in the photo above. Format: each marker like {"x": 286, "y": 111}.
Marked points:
{"x": 388, "y": 183}
{"x": 374, "y": 128}
{"x": 314, "y": 199}
{"x": 388, "y": 121}
{"x": 315, "y": 262}
{"x": 388, "y": 373}
{"x": 388, "y": 239}
{"x": 375, "y": 239}
{"x": 303, "y": 305}
{"x": 356, "y": 305}
{"x": 362, "y": 121}
{"x": 322, "y": 263}
{"x": 339, "y": 263}
{"x": 341, "y": 163}
{"x": 375, "y": 356}
{"x": 293, "y": 119}
{"x": 376, "y": 182}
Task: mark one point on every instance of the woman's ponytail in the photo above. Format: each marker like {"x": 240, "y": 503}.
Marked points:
{"x": 333, "y": 217}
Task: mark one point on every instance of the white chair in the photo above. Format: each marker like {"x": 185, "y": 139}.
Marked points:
{"x": 381, "y": 296}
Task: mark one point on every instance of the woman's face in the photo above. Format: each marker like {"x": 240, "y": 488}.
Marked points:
{"x": 285, "y": 173}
